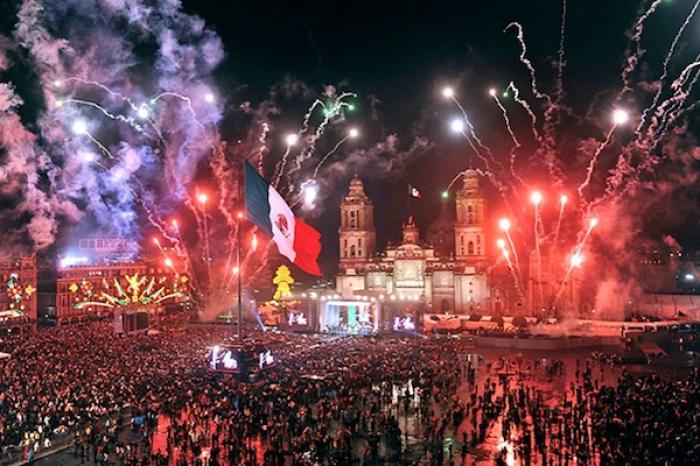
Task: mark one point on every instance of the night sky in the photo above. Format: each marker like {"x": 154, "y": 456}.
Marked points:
{"x": 403, "y": 52}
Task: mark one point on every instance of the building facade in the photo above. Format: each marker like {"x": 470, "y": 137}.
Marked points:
{"x": 108, "y": 277}
{"x": 455, "y": 282}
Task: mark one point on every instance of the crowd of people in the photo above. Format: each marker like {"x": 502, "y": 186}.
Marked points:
{"x": 150, "y": 400}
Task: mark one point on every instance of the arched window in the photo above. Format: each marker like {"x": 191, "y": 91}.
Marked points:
{"x": 352, "y": 251}
{"x": 470, "y": 214}
{"x": 470, "y": 248}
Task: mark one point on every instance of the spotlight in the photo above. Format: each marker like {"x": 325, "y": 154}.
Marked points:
{"x": 448, "y": 92}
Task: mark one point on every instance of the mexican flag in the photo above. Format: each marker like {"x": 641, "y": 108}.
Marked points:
{"x": 295, "y": 240}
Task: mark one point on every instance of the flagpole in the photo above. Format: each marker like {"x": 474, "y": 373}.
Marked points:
{"x": 241, "y": 200}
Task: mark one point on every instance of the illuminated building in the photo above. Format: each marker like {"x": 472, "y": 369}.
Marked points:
{"x": 98, "y": 285}
{"x": 18, "y": 300}
{"x": 413, "y": 270}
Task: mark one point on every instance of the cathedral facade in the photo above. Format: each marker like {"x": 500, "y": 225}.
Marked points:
{"x": 444, "y": 281}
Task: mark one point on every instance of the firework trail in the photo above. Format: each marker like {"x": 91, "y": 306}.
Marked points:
{"x": 330, "y": 112}
{"x": 523, "y": 103}
{"x": 560, "y": 62}
{"x": 520, "y": 35}
{"x": 329, "y": 154}
{"x": 264, "y": 131}
{"x": 513, "y": 137}
{"x": 668, "y": 111}
{"x": 472, "y": 135}
{"x": 576, "y": 257}
{"x": 516, "y": 278}
{"x": 548, "y": 142}
{"x": 562, "y": 204}
{"x": 537, "y": 226}
{"x": 664, "y": 73}
{"x": 505, "y": 226}
{"x": 309, "y": 113}
{"x": 593, "y": 161}
{"x": 279, "y": 168}
{"x": 128, "y": 120}
{"x": 635, "y": 51}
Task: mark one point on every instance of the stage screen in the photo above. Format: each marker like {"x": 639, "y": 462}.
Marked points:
{"x": 299, "y": 316}
{"x": 350, "y": 317}
{"x": 225, "y": 359}
{"x": 234, "y": 360}
{"x": 404, "y": 324}
{"x": 400, "y": 317}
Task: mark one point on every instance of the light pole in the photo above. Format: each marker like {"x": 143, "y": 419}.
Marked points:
{"x": 240, "y": 285}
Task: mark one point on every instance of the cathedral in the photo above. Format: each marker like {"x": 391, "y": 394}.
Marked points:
{"x": 447, "y": 275}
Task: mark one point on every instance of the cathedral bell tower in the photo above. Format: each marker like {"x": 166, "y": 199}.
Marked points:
{"x": 356, "y": 233}
{"x": 470, "y": 239}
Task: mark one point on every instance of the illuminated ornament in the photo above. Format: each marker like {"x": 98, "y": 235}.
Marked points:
{"x": 184, "y": 279}
{"x": 73, "y": 288}
{"x": 29, "y": 290}
{"x": 14, "y": 289}
{"x": 283, "y": 279}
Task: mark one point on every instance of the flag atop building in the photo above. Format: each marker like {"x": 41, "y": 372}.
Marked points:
{"x": 297, "y": 241}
